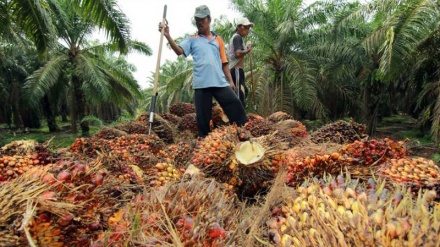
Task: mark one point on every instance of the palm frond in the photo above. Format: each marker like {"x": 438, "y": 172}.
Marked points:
{"x": 45, "y": 78}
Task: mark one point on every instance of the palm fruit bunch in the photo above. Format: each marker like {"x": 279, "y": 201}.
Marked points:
{"x": 370, "y": 154}
{"x": 180, "y": 153}
{"x": 278, "y": 117}
{"x": 258, "y": 126}
{"x": 218, "y": 118}
{"x": 313, "y": 160}
{"x": 340, "y": 211}
{"x": 21, "y": 147}
{"x": 13, "y": 166}
{"x": 171, "y": 118}
{"x": 248, "y": 166}
{"x": 136, "y": 127}
{"x": 21, "y": 200}
{"x": 88, "y": 146}
{"x": 416, "y": 172}
{"x": 96, "y": 192}
{"x": 109, "y": 133}
{"x": 340, "y": 132}
{"x": 181, "y": 109}
{"x": 292, "y": 131}
{"x": 197, "y": 212}
{"x": 160, "y": 126}
{"x": 188, "y": 123}
{"x": 163, "y": 173}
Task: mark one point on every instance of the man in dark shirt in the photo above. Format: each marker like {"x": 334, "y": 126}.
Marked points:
{"x": 236, "y": 52}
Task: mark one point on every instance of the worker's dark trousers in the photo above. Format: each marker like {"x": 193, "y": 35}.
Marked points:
{"x": 227, "y": 99}
{"x": 240, "y": 84}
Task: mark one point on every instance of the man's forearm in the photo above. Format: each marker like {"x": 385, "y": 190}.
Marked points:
{"x": 177, "y": 49}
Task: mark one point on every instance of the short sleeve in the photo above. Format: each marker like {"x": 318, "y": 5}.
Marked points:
{"x": 238, "y": 42}
{"x": 186, "y": 46}
{"x": 221, "y": 45}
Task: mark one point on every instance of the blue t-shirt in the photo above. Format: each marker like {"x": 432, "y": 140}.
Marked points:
{"x": 208, "y": 57}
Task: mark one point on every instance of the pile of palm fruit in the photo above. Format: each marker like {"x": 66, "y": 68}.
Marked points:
{"x": 126, "y": 187}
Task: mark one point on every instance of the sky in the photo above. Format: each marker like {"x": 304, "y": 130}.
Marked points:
{"x": 145, "y": 15}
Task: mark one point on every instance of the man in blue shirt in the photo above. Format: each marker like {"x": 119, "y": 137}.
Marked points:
{"x": 211, "y": 75}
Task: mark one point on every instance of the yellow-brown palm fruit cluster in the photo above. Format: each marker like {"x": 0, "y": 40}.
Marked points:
{"x": 414, "y": 171}
{"x": 341, "y": 211}
{"x": 162, "y": 173}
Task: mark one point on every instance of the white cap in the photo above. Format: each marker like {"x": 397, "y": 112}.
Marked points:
{"x": 244, "y": 22}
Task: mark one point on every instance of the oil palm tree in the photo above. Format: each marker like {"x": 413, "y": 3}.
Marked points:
{"x": 81, "y": 68}
{"x": 280, "y": 28}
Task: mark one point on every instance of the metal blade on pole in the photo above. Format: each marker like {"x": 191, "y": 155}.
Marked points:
{"x": 156, "y": 74}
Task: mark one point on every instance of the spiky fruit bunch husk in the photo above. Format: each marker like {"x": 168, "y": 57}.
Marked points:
{"x": 248, "y": 166}
{"x": 278, "y": 117}
{"x": 369, "y": 152}
{"x": 109, "y": 133}
{"x": 163, "y": 129}
{"x": 258, "y": 126}
{"x": 292, "y": 131}
{"x": 181, "y": 109}
{"x": 219, "y": 117}
{"x": 171, "y": 118}
{"x": 340, "y": 211}
{"x": 190, "y": 213}
{"x": 162, "y": 173}
{"x": 136, "y": 127}
{"x": 340, "y": 132}
{"x": 22, "y": 147}
{"x": 416, "y": 172}
{"x": 160, "y": 126}
{"x": 188, "y": 122}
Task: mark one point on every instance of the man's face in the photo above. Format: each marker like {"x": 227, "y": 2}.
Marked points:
{"x": 202, "y": 24}
{"x": 244, "y": 30}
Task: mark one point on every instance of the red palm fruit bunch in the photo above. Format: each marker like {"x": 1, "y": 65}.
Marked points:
{"x": 340, "y": 132}
{"x": 181, "y": 109}
{"x": 292, "y": 131}
{"x": 312, "y": 160}
{"x": 249, "y": 165}
{"x": 136, "y": 127}
{"x": 416, "y": 172}
{"x": 196, "y": 212}
{"x": 109, "y": 133}
{"x": 188, "y": 123}
{"x": 219, "y": 117}
{"x": 257, "y": 125}
{"x": 180, "y": 153}
{"x": 88, "y": 146}
{"x": 278, "y": 117}
{"x": 367, "y": 153}
{"x": 171, "y": 118}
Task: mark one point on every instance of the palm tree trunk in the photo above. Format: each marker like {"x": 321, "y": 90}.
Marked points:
{"x": 49, "y": 114}
{"x": 80, "y": 106}
{"x": 15, "y": 102}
